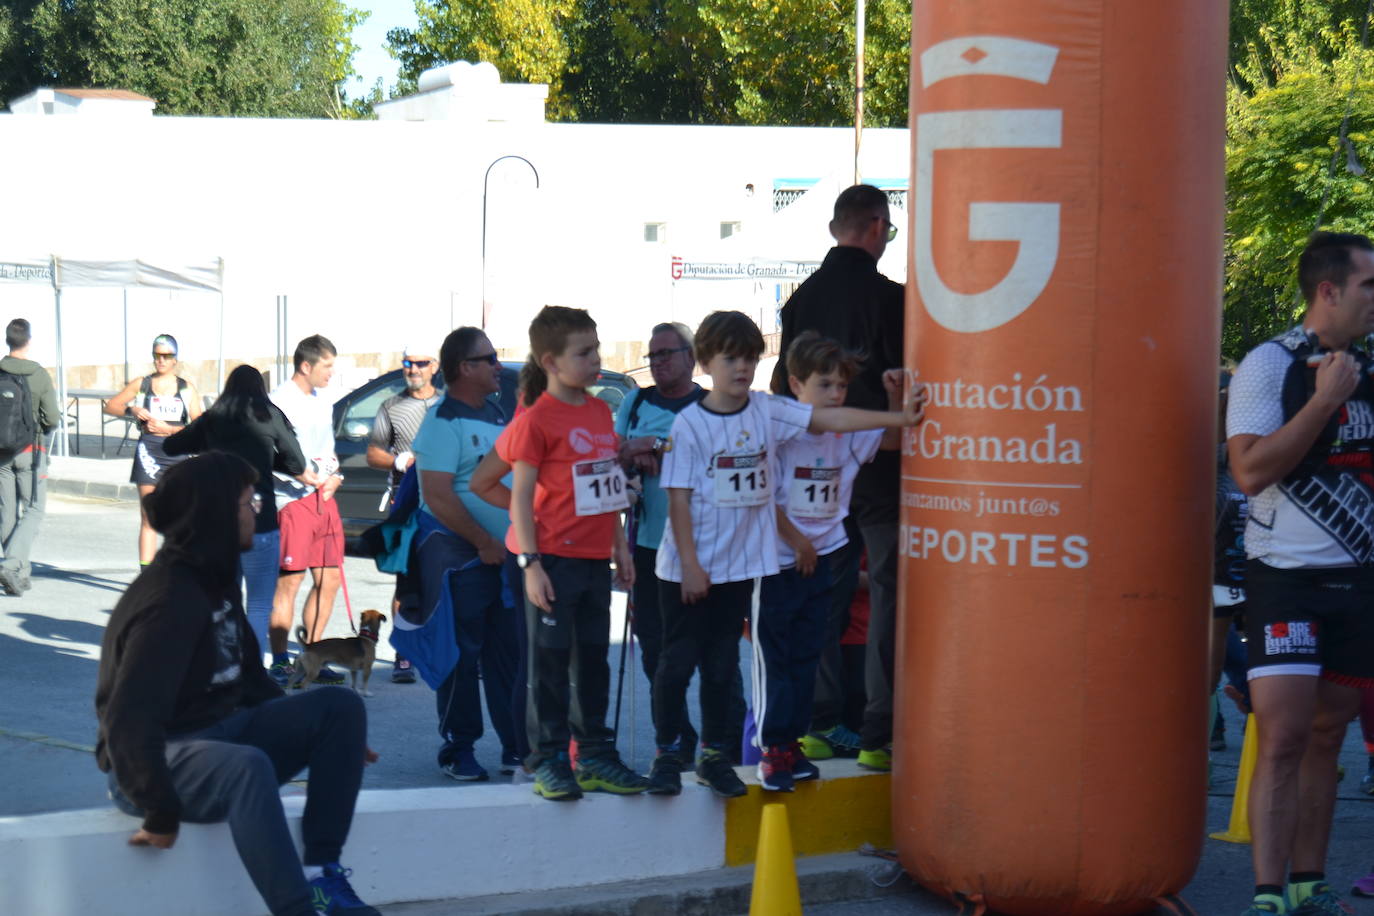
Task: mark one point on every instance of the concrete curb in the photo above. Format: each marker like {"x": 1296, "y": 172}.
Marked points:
{"x": 834, "y": 878}
{"x": 93, "y": 489}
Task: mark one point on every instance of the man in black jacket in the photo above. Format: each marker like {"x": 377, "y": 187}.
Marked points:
{"x": 192, "y": 728}
{"x": 847, "y": 300}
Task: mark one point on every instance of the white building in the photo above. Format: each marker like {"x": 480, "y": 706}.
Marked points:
{"x": 374, "y": 230}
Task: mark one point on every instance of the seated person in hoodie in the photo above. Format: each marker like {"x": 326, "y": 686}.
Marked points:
{"x": 191, "y": 726}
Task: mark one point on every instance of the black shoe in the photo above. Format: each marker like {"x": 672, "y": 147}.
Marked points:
{"x": 665, "y": 777}
{"x": 402, "y": 671}
{"x": 715, "y": 770}
{"x": 554, "y": 780}
{"x": 802, "y": 768}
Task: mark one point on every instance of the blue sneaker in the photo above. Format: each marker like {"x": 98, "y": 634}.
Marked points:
{"x": 465, "y": 768}
{"x": 510, "y": 762}
{"x": 281, "y": 672}
{"x": 332, "y": 895}
{"x": 802, "y": 769}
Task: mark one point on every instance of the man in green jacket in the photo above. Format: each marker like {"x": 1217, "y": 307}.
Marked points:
{"x": 24, "y": 474}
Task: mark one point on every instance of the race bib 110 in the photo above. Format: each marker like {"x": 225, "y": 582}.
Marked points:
{"x": 599, "y": 487}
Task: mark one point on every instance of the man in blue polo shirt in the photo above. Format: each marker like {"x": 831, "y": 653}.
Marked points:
{"x": 461, "y": 549}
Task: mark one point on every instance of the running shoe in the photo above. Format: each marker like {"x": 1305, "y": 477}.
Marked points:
{"x": 1364, "y": 887}
{"x": 802, "y": 768}
{"x": 715, "y": 770}
{"x": 1323, "y": 902}
{"x": 554, "y": 780}
{"x": 332, "y": 895}
{"x": 608, "y": 773}
{"x": 1262, "y": 908}
{"x": 402, "y": 671}
{"x": 281, "y": 672}
{"x": 833, "y": 742}
{"x": 775, "y": 769}
{"x": 879, "y": 761}
{"x": 665, "y": 777}
{"x": 329, "y": 677}
{"x": 464, "y": 768}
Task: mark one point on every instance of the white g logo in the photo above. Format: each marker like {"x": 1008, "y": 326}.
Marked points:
{"x": 1035, "y": 227}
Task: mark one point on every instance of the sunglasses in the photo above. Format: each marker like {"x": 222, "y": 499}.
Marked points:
{"x": 416, "y": 363}
{"x": 490, "y": 358}
{"x": 664, "y": 354}
{"x": 891, "y": 229}
{"x": 157, "y": 355}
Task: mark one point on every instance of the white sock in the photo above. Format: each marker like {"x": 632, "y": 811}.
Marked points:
{"x": 313, "y": 871}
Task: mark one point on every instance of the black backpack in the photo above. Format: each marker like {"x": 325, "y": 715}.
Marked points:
{"x": 18, "y": 428}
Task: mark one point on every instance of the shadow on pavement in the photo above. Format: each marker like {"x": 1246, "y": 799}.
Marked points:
{"x": 44, "y": 571}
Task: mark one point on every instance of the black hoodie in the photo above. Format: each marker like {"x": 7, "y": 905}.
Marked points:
{"x": 178, "y": 654}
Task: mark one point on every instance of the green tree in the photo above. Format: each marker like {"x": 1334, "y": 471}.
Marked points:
{"x": 270, "y": 58}
{"x": 1286, "y": 168}
{"x": 527, "y": 40}
{"x": 676, "y": 61}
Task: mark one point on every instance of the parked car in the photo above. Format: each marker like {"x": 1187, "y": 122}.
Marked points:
{"x": 363, "y": 490}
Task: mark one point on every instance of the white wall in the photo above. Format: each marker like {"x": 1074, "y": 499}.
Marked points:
{"x": 374, "y": 229}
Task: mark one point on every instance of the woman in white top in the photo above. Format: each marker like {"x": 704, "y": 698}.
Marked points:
{"x": 162, "y": 403}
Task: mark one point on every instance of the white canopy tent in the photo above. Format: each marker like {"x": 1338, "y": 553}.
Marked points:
{"x": 127, "y": 273}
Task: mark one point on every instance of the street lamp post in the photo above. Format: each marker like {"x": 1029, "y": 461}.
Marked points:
{"x": 486, "y": 176}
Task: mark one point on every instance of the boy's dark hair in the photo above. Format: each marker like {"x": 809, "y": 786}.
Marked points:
{"x": 730, "y": 334}
{"x": 856, "y": 207}
{"x": 549, "y": 333}
{"x": 1327, "y": 259}
{"x": 18, "y": 334}
{"x": 457, "y": 347}
{"x": 811, "y": 354}
{"x": 312, "y": 349}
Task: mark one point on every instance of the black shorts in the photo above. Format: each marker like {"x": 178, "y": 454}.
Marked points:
{"x": 1317, "y": 622}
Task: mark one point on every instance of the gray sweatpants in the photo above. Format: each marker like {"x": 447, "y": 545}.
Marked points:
{"x": 232, "y": 772}
{"x": 20, "y": 485}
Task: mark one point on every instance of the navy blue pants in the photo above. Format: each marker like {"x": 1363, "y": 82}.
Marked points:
{"x": 789, "y": 631}
{"x": 485, "y": 627}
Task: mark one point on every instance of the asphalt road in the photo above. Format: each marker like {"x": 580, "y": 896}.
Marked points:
{"x": 50, "y": 643}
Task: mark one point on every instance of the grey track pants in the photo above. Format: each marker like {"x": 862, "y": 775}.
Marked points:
{"x": 232, "y": 772}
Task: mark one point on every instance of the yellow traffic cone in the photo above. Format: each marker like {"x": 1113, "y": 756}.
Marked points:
{"x": 775, "y": 873}
{"x": 1238, "y": 831}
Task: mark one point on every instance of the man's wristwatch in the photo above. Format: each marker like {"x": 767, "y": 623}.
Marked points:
{"x": 523, "y": 560}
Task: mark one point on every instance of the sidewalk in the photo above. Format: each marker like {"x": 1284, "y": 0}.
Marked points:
{"x": 89, "y": 476}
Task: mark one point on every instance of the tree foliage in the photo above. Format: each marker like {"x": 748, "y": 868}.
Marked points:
{"x": 270, "y": 58}
{"x": 677, "y": 61}
{"x": 1286, "y": 167}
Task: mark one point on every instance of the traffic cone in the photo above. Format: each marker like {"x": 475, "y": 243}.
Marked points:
{"x": 1238, "y": 831}
{"x": 775, "y": 890}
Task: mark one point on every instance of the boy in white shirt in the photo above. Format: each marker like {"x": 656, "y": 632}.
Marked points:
{"x": 814, "y": 482}
{"x": 722, "y": 534}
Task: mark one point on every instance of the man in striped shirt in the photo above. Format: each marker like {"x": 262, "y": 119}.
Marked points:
{"x": 388, "y": 448}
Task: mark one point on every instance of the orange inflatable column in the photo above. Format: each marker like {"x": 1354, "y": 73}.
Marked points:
{"x": 1063, "y": 301}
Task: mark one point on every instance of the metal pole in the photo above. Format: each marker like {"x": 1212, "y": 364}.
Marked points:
{"x": 63, "y": 445}
{"x": 858, "y": 82}
{"x": 126, "y": 336}
{"x": 485, "y": 176}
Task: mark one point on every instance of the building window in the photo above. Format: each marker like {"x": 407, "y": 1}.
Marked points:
{"x": 728, "y": 229}
{"x": 656, "y": 232}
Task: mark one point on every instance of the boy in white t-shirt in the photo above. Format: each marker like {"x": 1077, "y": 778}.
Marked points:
{"x": 814, "y": 481}
{"x": 722, "y": 534}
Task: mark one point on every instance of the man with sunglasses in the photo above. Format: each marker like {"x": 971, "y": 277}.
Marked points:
{"x": 466, "y": 623}
{"x": 388, "y": 447}
{"x": 848, "y": 300}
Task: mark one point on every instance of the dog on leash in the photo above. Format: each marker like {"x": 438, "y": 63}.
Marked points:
{"x": 353, "y": 653}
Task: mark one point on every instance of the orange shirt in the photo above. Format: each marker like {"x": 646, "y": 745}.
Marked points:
{"x": 555, "y": 437}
